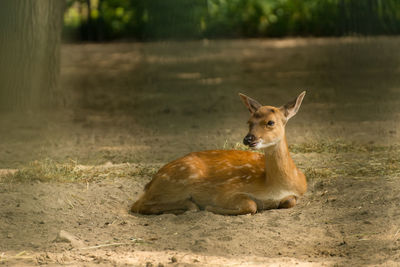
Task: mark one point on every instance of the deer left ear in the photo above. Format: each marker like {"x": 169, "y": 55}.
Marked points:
{"x": 250, "y": 103}
{"x": 291, "y": 108}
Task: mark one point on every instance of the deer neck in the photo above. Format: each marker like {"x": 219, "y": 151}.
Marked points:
{"x": 279, "y": 166}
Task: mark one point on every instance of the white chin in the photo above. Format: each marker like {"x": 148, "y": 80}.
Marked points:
{"x": 264, "y": 145}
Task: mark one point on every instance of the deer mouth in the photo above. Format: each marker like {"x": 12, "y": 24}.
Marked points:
{"x": 253, "y": 144}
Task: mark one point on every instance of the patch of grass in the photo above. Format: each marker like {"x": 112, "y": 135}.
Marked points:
{"x": 348, "y": 159}
{"x": 143, "y": 170}
{"x": 342, "y": 159}
{"x": 337, "y": 146}
{"x": 321, "y": 173}
{"x": 323, "y": 146}
{"x": 367, "y": 164}
{"x": 45, "y": 170}
{"x": 234, "y": 146}
{"x": 372, "y": 164}
{"x": 50, "y": 170}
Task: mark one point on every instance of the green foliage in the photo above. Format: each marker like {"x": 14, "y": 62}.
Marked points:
{"x": 160, "y": 19}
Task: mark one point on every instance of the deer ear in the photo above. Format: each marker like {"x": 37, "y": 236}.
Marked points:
{"x": 250, "y": 103}
{"x": 291, "y": 108}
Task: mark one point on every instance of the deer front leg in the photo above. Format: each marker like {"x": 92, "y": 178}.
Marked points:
{"x": 288, "y": 202}
{"x": 237, "y": 205}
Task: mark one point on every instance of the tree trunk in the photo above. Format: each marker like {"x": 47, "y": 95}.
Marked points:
{"x": 30, "y": 38}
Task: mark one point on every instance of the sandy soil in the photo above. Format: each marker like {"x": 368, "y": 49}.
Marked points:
{"x": 129, "y": 105}
{"x": 344, "y": 221}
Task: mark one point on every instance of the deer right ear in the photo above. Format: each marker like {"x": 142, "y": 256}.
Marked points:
{"x": 250, "y": 103}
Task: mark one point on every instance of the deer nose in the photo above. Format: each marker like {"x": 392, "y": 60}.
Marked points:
{"x": 249, "y": 139}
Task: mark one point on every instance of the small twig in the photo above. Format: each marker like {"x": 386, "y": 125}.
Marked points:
{"x": 70, "y": 203}
{"x": 21, "y": 253}
{"x": 105, "y": 245}
{"x": 19, "y": 256}
{"x": 133, "y": 240}
{"x": 79, "y": 199}
{"x": 395, "y": 235}
{"x": 16, "y": 258}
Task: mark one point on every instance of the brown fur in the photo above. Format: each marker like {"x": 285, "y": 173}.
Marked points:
{"x": 228, "y": 181}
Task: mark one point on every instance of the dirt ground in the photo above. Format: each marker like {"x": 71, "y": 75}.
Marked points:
{"x": 131, "y": 107}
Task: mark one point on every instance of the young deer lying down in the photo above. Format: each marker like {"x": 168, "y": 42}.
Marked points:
{"x": 229, "y": 181}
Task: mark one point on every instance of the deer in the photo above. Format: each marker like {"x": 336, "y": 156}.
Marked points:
{"x": 232, "y": 182}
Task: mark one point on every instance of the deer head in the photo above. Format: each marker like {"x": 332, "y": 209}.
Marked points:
{"x": 267, "y": 123}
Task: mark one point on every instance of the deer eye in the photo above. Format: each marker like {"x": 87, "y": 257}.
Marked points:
{"x": 270, "y": 123}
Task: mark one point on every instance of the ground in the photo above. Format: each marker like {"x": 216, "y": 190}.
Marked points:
{"x": 129, "y": 108}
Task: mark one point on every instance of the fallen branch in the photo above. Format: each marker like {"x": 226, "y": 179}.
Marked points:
{"x": 104, "y": 245}
{"x": 138, "y": 240}
{"x": 19, "y": 256}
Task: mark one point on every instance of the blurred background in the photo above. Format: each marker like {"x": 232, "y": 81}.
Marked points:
{"x": 102, "y": 20}
{"x": 141, "y": 81}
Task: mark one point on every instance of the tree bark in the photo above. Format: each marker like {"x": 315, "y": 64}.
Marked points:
{"x": 30, "y": 38}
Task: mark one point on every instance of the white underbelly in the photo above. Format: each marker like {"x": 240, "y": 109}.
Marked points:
{"x": 274, "y": 195}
